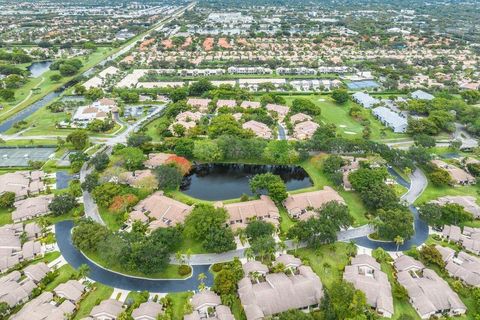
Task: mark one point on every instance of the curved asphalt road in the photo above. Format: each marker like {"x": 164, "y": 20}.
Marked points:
{"x": 75, "y": 258}
{"x": 202, "y": 262}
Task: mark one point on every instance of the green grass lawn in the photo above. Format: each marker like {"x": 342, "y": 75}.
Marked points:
{"x": 313, "y": 166}
{"x": 328, "y": 261}
{"x": 179, "y": 300}
{"x": 5, "y": 216}
{"x": 98, "y": 293}
{"x": 170, "y": 272}
{"x": 433, "y": 192}
{"x": 113, "y": 221}
{"x": 65, "y": 273}
{"x": 346, "y": 125}
{"x": 193, "y": 245}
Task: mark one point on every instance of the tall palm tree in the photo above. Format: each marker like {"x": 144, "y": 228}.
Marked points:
{"x": 282, "y": 246}
{"x": 248, "y": 253}
{"x": 398, "y": 241}
{"x": 179, "y": 257}
{"x": 242, "y": 236}
{"x": 201, "y": 277}
{"x": 83, "y": 271}
{"x": 188, "y": 255}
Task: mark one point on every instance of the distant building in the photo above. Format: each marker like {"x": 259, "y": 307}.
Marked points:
{"x": 421, "y": 95}
{"x": 458, "y": 176}
{"x": 305, "y": 130}
{"x": 260, "y": 129}
{"x": 365, "y": 100}
{"x": 461, "y": 266}
{"x": 391, "y": 119}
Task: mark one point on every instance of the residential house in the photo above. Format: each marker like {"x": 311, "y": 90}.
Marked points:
{"x": 299, "y": 117}
{"x": 391, "y": 119}
{"x": 469, "y": 238}
{"x": 302, "y": 205}
{"x": 198, "y": 103}
{"x": 260, "y": 129}
{"x": 458, "y": 176}
{"x": 274, "y": 293}
{"x": 30, "y": 208}
{"x": 107, "y": 310}
{"x": 429, "y": 294}
{"x": 226, "y": 103}
{"x": 71, "y": 290}
{"x": 469, "y": 203}
{"x": 461, "y": 266}
{"x": 147, "y": 311}
{"x": 240, "y": 213}
{"x": 36, "y": 272}
{"x": 31, "y": 249}
{"x": 366, "y": 275}
{"x": 136, "y": 178}
{"x": 353, "y": 164}
{"x": 160, "y": 211}
{"x": 421, "y": 95}
{"x": 305, "y": 130}
{"x": 280, "y": 110}
{"x": 22, "y": 183}
{"x": 156, "y": 159}
{"x": 365, "y": 100}
{"x": 250, "y": 104}
{"x": 44, "y": 307}
{"x": 208, "y": 305}
{"x": 15, "y": 290}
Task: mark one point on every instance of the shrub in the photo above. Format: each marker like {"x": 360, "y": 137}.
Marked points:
{"x": 184, "y": 270}
{"x": 217, "y": 267}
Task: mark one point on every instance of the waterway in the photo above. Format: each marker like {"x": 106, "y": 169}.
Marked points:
{"x": 38, "y": 68}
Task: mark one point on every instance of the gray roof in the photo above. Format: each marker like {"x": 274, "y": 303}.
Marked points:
{"x": 279, "y": 293}
{"x": 429, "y": 294}
{"x": 391, "y": 119}
{"x": 42, "y": 308}
{"x": 422, "y": 95}
{"x": 366, "y": 100}
{"x": 365, "y": 275}
{"x": 147, "y": 311}
{"x": 71, "y": 290}
{"x": 110, "y": 307}
{"x": 36, "y": 272}
{"x": 465, "y": 267}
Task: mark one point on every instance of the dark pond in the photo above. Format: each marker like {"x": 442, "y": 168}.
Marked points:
{"x": 39, "y": 68}
{"x": 228, "y": 181}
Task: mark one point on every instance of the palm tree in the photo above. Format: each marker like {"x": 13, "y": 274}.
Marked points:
{"x": 43, "y": 223}
{"x": 188, "y": 255}
{"x": 296, "y": 242}
{"x": 201, "y": 277}
{"x": 398, "y": 241}
{"x": 83, "y": 271}
{"x": 282, "y": 246}
{"x": 248, "y": 253}
{"x": 242, "y": 236}
{"x": 179, "y": 257}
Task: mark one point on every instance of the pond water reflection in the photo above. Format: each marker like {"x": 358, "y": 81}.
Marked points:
{"x": 228, "y": 181}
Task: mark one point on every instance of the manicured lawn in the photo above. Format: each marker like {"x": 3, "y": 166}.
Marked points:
{"x": 98, "y": 293}
{"x": 113, "y": 221}
{"x": 65, "y": 273}
{"x": 313, "y": 167}
{"x": 433, "y": 192}
{"x": 5, "y": 216}
{"x": 193, "y": 245}
{"x": 170, "y": 272}
{"x": 346, "y": 125}
{"x": 328, "y": 261}
{"x": 179, "y": 300}
{"x": 286, "y": 222}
